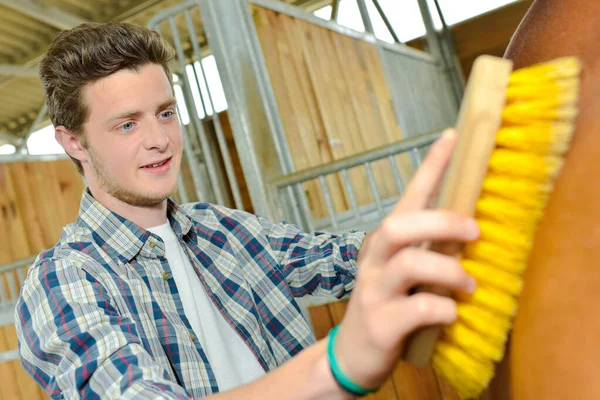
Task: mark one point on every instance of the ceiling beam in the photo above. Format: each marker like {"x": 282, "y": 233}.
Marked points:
{"x": 48, "y": 15}
{"x": 15, "y": 70}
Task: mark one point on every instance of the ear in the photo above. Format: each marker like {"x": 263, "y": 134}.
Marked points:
{"x": 71, "y": 143}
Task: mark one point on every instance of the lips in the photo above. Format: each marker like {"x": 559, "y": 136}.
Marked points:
{"x": 156, "y": 164}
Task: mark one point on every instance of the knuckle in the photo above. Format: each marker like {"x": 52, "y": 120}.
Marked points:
{"x": 424, "y": 307}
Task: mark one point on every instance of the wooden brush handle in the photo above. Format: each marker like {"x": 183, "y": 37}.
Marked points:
{"x": 479, "y": 118}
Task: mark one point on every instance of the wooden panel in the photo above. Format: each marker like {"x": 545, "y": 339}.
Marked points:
{"x": 333, "y": 100}
{"x": 36, "y": 201}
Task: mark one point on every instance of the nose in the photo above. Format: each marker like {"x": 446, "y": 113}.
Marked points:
{"x": 155, "y": 136}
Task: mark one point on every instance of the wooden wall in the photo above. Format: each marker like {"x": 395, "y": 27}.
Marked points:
{"x": 36, "y": 201}
{"x": 333, "y": 101}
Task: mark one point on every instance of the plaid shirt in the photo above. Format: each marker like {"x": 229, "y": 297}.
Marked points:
{"x": 100, "y": 316}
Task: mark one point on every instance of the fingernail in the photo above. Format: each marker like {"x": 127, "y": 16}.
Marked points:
{"x": 449, "y": 134}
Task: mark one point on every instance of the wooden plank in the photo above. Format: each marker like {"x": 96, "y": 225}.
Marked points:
{"x": 270, "y": 41}
{"x": 416, "y": 383}
{"x": 321, "y": 320}
{"x": 9, "y": 387}
{"x": 28, "y": 388}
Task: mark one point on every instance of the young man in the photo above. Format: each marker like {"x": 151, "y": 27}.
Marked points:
{"x": 142, "y": 298}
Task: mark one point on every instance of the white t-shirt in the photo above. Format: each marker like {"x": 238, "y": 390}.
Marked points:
{"x": 229, "y": 356}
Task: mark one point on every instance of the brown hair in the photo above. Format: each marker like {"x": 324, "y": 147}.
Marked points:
{"x": 90, "y": 52}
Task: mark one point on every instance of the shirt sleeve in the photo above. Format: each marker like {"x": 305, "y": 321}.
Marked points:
{"x": 317, "y": 263}
{"x": 75, "y": 343}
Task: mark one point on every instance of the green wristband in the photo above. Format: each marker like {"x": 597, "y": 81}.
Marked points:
{"x": 339, "y": 375}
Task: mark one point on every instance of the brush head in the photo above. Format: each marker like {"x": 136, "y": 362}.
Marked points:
{"x": 537, "y": 126}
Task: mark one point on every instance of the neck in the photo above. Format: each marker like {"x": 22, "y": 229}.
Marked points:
{"x": 144, "y": 216}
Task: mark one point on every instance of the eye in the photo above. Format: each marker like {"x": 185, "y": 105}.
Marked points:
{"x": 167, "y": 114}
{"x": 127, "y": 126}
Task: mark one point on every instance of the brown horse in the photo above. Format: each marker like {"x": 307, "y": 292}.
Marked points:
{"x": 555, "y": 352}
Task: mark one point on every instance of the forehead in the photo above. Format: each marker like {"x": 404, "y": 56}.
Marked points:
{"x": 140, "y": 89}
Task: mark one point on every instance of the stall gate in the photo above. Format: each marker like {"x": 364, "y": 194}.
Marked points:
{"x": 324, "y": 127}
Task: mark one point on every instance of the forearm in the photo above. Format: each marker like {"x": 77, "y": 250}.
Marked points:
{"x": 307, "y": 376}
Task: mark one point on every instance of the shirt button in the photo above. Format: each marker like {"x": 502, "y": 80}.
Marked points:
{"x": 166, "y": 276}
{"x": 152, "y": 244}
{"x": 192, "y": 336}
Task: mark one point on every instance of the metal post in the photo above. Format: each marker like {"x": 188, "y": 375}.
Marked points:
{"x": 257, "y": 127}
{"x": 328, "y": 202}
{"x": 351, "y": 196}
{"x": 435, "y": 47}
{"x": 210, "y": 164}
{"x": 449, "y": 47}
{"x": 38, "y": 119}
{"x": 374, "y": 189}
{"x": 335, "y": 10}
{"x": 396, "y": 173}
{"x": 386, "y": 21}
{"x": 235, "y": 189}
{"x": 366, "y": 18}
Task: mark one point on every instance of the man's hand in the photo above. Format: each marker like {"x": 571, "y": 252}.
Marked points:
{"x": 381, "y": 314}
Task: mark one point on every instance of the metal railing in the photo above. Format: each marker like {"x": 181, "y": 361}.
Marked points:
{"x": 210, "y": 184}
{"x": 357, "y": 217}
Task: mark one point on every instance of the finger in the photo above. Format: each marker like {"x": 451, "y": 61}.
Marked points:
{"x": 413, "y": 266}
{"x": 402, "y": 230}
{"x": 407, "y": 314}
{"x": 429, "y": 175}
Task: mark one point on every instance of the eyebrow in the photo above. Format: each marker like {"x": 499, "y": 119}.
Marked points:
{"x": 130, "y": 114}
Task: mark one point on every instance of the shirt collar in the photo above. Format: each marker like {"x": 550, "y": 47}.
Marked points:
{"x": 122, "y": 238}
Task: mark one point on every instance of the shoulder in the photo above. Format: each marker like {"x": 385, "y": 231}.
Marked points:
{"x": 214, "y": 216}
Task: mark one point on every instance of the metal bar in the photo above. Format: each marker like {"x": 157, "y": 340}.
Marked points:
{"x": 416, "y": 157}
{"x": 17, "y": 264}
{"x": 335, "y": 10}
{"x": 396, "y": 173}
{"x": 308, "y": 220}
{"x": 12, "y": 158}
{"x": 298, "y": 13}
{"x": 450, "y": 47}
{"x": 386, "y": 21}
{"x": 368, "y": 156}
{"x": 364, "y": 14}
{"x": 235, "y": 189}
{"x": 38, "y": 119}
{"x": 328, "y": 201}
{"x": 167, "y": 12}
{"x": 3, "y": 296}
{"x": 11, "y": 355}
{"x": 351, "y": 196}
{"x": 435, "y": 47}
{"x": 206, "y": 152}
{"x": 374, "y": 188}
{"x": 21, "y": 276}
{"x": 16, "y": 70}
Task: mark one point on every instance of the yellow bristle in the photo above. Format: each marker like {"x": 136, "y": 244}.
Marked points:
{"x": 495, "y": 300}
{"x": 545, "y": 89}
{"x": 561, "y": 68}
{"x": 541, "y": 137}
{"x": 493, "y": 277}
{"x": 536, "y": 131}
{"x": 525, "y": 165}
{"x": 504, "y": 235}
{"x": 472, "y": 342}
{"x": 496, "y": 255}
{"x": 519, "y": 216}
{"x": 468, "y": 374}
{"x": 529, "y": 193}
{"x": 536, "y": 110}
{"x": 490, "y": 324}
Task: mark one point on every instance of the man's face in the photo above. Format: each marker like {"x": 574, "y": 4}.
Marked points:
{"x": 132, "y": 136}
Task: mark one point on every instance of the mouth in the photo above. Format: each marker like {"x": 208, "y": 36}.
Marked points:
{"x": 157, "y": 164}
